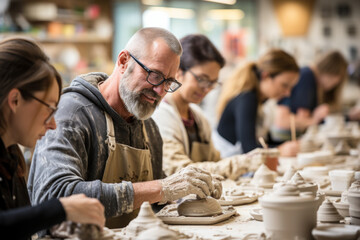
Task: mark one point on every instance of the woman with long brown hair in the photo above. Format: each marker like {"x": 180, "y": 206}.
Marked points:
{"x": 30, "y": 89}
{"x": 239, "y": 106}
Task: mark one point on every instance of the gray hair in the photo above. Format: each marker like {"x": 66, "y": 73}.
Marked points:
{"x": 141, "y": 40}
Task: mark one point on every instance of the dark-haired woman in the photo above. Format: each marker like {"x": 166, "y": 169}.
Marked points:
{"x": 185, "y": 131}
{"x": 29, "y": 92}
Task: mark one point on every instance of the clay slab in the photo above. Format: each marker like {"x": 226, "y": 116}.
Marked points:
{"x": 169, "y": 215}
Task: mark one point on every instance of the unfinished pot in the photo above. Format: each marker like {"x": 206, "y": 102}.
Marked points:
{"x": 299, "y": 181}
{"x": 342, "y": 208}
{"x": 146, "y": 219}
{"x": 327, "y": 146}
{"x": 288, "y": 174}
{"x": 354, "y": 201}
{"x": 342, "y": 148}
{"x": 199, "y": 207}
{"x": 289, "y": 214}
{"x": 327, "y": 213}
{"x": 264, "y": 177}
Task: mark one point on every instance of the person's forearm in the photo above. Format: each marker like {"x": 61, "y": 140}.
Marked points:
{"x": 147, "y": 191}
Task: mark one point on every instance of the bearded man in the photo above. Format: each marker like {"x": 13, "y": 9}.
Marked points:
{"x": 106, "y": 145}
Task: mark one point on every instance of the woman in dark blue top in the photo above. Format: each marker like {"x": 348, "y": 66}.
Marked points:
{"x": 317, "y": 93}
{"x": 29, "y": 92}
{"x": 242, "y": 96}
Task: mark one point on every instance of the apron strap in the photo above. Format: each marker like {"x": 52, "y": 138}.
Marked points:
{"x": 145, "y": 135}
{"x": 110, "y": 132}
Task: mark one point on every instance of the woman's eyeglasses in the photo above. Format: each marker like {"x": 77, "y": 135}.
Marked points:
{"x": 156, "y": 78}
{"x": 203, "y": 82}
{"x": 51, "y": 108}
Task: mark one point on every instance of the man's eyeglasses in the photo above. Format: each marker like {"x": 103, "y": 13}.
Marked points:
{"x": 52, "y": 109}
{"x": 203, "y": 82}
{"x": 156, "y": 78}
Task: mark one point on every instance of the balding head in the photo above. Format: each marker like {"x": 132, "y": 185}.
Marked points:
{"x": 140, "y": 42}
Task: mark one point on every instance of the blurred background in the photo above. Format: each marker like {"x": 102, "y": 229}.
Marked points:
{"x": 86, "y": 35}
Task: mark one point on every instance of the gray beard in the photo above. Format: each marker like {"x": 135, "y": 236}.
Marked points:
{"x": 141, "y": 109}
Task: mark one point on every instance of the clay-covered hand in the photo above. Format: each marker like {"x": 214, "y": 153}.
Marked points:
{"x": 81, "y": 209}
{"x": 289, "y": 148}
{"x": 354, "y": 113}
{"x": 320, "y": 113}
{"x": 232, "y": 167}
{"x": 216, "y": 180}
{"x": 189, "y": 180}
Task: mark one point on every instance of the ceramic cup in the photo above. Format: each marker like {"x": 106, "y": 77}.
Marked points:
{"x": 341, "y": 179}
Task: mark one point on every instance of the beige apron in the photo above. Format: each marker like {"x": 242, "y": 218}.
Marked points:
{"x": 201, "y": 152}
{"x": 125, "y": 163}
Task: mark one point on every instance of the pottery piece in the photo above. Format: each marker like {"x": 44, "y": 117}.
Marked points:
{"x": 257, "y": 214}
{"x": 237, "y": 196}
{"x": 342, "y": 148}
{"x": 288, "y": 174}
{"x": 353, "y": 127}
{"x": 327, "y": 146}
{"x": 146, "y": 219}
{"x": 158, "y": 233}
{"x": 314, "y": 158}
{"x": 169, "y": 215}
{"x": 336, "y": 232}
{"x": 199, "y": 207}
{"x": 327, "y": 213}
{"x": 341, "y": 179}
{"x": 299, "y": 181}
{"x": 342, "y": 208}
{"x": 304, "y": 186}
{"x": 289, "y": 214}
{"x": 354, "y": 200}
{"x": 264, "y": 177}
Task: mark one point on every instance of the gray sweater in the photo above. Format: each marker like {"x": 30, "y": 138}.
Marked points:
{"x": 71, "y": 159}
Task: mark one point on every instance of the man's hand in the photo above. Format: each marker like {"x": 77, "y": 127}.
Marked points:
{"x": 189, "y": 180}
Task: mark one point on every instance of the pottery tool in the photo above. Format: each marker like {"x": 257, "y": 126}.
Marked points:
{"x": 262, "y": 142}
{"x": 292, "y": 127}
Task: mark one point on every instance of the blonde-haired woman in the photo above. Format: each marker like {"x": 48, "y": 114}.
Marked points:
{"x": 239, "y": 105}
{"x": 322, "y": 84}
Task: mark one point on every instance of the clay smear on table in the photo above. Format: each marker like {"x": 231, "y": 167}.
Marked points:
{"x": 199, "y": 207}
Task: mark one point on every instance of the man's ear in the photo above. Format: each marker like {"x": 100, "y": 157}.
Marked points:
{"x": 13, "y": 99}
{"x": 122, "y": 60}
{"x": 179, "y": 75}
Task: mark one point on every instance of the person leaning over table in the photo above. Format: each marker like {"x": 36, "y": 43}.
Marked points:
{"x": 184, "y": 129}
{"x": 30, "y": 90}
{"x": 317, "y": 93}
{"x": 106, "y": 145}
{"x": 240, "y": 101}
